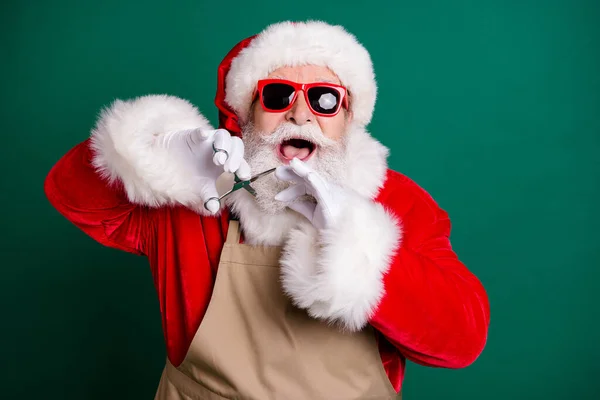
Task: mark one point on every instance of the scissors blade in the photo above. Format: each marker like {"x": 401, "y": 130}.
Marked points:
{"x": 257, "y": 176}
{"x": 246, "y": 183}
{"x": 250, "y": 190}
{"x": 239, "y": 184}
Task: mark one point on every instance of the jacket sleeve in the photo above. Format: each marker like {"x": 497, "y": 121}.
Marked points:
{"x": 388, "y": 262}
{"x": 433, "y": 309}
{"x": 102, "y": 211}
{"x": 110, "y": 184}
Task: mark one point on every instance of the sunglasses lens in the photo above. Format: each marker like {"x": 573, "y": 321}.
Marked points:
{"x": 324, "y": 100}
{"x": 277, "y": 96}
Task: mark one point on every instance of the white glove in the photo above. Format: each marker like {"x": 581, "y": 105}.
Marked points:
{"x": 330, "y": 198}
{"x": 212, "y": 152}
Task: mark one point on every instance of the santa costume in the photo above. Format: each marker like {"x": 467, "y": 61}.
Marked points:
{"x": 260, "y": 305}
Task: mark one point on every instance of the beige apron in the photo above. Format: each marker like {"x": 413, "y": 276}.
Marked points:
{"x": 254, "y": 344}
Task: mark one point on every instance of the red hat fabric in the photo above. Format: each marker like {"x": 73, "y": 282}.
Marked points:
{"x": 293, "y": 44}
{"x": 227, "y": 118}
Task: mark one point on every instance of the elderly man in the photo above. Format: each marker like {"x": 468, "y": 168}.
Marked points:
{"x": 321, "y": 279}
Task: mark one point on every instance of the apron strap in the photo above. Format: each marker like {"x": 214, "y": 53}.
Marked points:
{"x": 233, "y": 232}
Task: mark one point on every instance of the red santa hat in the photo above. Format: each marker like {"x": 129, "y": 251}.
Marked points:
{"x": 292, "y": 44}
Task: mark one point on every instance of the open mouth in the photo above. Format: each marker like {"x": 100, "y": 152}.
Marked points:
{"x": 296, "y": 148}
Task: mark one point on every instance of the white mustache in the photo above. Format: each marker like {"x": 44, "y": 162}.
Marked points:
{"x": 287, "y": 131}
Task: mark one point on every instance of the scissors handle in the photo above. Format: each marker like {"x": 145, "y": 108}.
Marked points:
{"x": 240, "y": 184}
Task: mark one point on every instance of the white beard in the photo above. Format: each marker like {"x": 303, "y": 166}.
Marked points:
{"x": 357, "y": 162}
{"x": 329, "y": 160}
{"x": 264, "y": 220}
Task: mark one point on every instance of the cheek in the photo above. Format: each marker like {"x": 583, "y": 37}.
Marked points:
{"x": 333, "y": 128}
{"x": 266, "y": 122}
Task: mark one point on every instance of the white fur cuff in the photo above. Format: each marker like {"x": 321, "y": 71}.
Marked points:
{"x": 125, "y": 149}
{"x": 337, "y": 275}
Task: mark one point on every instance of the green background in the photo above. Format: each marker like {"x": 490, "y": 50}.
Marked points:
{"x": 491, "y": 106}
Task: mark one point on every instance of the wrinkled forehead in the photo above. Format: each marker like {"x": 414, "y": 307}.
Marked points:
{"x": 306, "y": 74}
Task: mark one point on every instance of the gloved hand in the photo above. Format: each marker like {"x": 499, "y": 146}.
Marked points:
{"x": 330, "y": 198}
{"x": 212, "y": 152}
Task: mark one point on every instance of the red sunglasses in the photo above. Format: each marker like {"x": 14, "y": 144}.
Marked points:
{"x": 323, "y": 99}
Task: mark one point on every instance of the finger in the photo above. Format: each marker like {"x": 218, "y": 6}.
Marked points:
{"x": 316, "y": 185}
{"x": 286, "y": 173}
{"x": 236, "y": 155}
{"x": 170, "y": 138}
{"x": 304, "y": 207}
{"x": 212, "y": 205}
{"x": 210, "y": 196}
{"x": 291, "y": 193}
{"x": 244, "y": 171}
{"x": 222, "y": 142}
{"x": 300, "y": 168}
{"x": 219, "y": 158}
{"x": 200, "y": 134}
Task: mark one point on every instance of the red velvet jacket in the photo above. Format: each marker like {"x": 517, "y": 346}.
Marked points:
{"x": 434, "y": 311}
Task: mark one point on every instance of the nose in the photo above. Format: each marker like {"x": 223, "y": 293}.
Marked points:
{"x": 300, "y": 114}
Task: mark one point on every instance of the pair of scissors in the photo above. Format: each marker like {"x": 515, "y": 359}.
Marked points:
{"x": 241, "y": 184}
